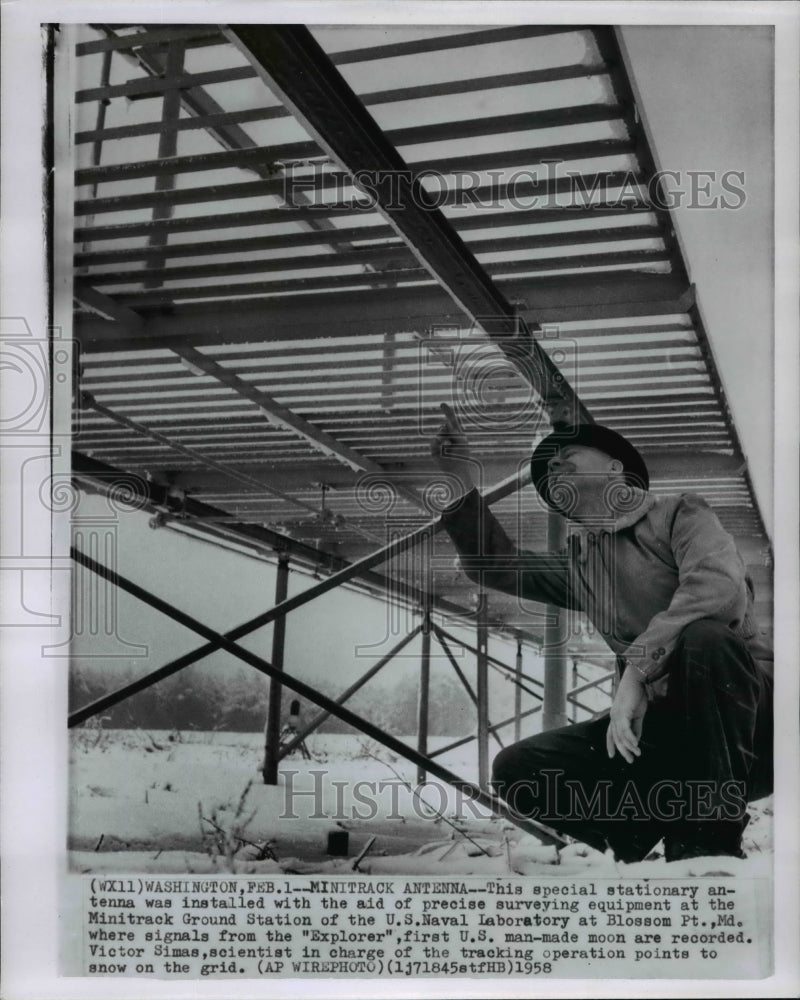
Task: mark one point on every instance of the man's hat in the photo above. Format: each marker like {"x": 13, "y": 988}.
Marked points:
{"x": 589, "y": 436}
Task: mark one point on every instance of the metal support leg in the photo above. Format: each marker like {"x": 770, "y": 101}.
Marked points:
{"x": 554, "y": 713}
{"x": 574, "y": 685}
{"x": 273, "y": 733}
{"x": 518, "y": 695}
{"x": 480, "y": 795}
{"x": 423, "y": 705}
{"x": 483, "y": 693}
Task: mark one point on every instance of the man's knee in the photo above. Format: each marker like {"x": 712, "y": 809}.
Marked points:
{"x": 507, "y": 765}
{"x": 521, "y": 761}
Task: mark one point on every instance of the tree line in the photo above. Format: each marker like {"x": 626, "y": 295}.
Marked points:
{"x": 236, "y": 699}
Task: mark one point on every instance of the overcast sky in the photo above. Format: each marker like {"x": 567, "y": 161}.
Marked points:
{"x": 707, "y": 95}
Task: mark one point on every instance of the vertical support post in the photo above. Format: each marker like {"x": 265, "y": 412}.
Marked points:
{"x": 574, "y": 685}
{"x": 518, "y": 694}
{"x": 423, "y": 702}
{"x": 554, "y": 710}
{"x": 273, "y": 729}
{"x": 483, "y": 691}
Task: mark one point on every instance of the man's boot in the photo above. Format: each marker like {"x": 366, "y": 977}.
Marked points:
{"x": 699, "y": 840}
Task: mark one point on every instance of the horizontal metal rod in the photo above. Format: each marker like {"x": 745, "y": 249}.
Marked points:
{"x": 406, "y": 352}
{"x": 153, "y": 36}
{"x": 402, "y": 277}
{"x": 405, "y": 381}
{"x": 514, "y": 679}
{"x": 358, "y": 568}
{"x": 89, "y": 402}
{"x": 359, "y": 313}
{"x": 486, "y": 799}
{"x": 355, "y": 234}
{"x": 591, "y": 684}
{"x": 155, "y": 87}
{"x": 411, "y": 135}
{"x": 277, "y": 216}
{"x": 317, "y": 721}
{"x": 396, "y": 262}
{"x": 445, "y": 43}
{"x": 491, "y": 659}
{"x": 211, "y": 122}
{"x": 212, "y": 521}
{"x": 596, "y": 187}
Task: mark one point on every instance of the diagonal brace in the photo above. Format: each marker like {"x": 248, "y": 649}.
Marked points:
{"x": 486, "y": 799}
{"x": 317, "y": 721}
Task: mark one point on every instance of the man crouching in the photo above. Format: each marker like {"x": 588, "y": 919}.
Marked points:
{"x": 688, "y": 740}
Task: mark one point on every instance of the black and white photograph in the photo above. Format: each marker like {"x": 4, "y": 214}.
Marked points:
{"x": 399, "y": 445}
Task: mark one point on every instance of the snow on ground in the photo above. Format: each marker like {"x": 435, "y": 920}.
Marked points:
{"x": 196, "y": 803}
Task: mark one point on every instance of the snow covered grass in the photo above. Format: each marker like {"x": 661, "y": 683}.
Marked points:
{"x": 195, "y": 802}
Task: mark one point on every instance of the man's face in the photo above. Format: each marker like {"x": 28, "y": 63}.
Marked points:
{"x": 578, "y": 463}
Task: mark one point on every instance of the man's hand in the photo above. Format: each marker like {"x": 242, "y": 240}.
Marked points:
{"x": 627, "y": 713}
{"x": 450, "y": 449}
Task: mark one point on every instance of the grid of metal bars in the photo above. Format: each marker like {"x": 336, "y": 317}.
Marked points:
{"x": 255, "y": 333}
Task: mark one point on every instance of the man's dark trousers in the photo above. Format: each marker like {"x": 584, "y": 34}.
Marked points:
{"x": 706, "y": 751}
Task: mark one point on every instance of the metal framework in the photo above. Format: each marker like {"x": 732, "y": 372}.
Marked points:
{"x": 270, "y": 316}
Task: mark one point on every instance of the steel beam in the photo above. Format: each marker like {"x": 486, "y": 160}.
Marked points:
{"x": 115, "y": 315}
{"x": 347, "y": 571}
{"x": 412, "y": 135}
{"x": 401, "y": 278}
{"x": 154, "y": 87}
{"x": 608, "y": 45}
{"x": 445, "y": 43}
{"x": 582, "y": 190}
{"x": 151, "y": 37}
{"x": 485, "y": 798}
{"x": 143, "y": 89}
{"x": 482, "y": 668}
{"x": 612, "y": 51}
{"x": 574, "y": 685}
{"x": 208, "y": 518}
{"x": 396, "y": 263}
{"x": 89, "y": 402}
{"x": 348, "y": 314}
{"x": 284, "y": 241}
{"x": 273, "y": 728}
{"x": 284, "y": 417}
{"x": 518, "y": 693}
{"x": 554, "y": 714}
{"x": 306, "y": 214}
{"x": 333, "y": 114}
{"x": 424, "y": 691}
{"x": 277, "y": 413}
